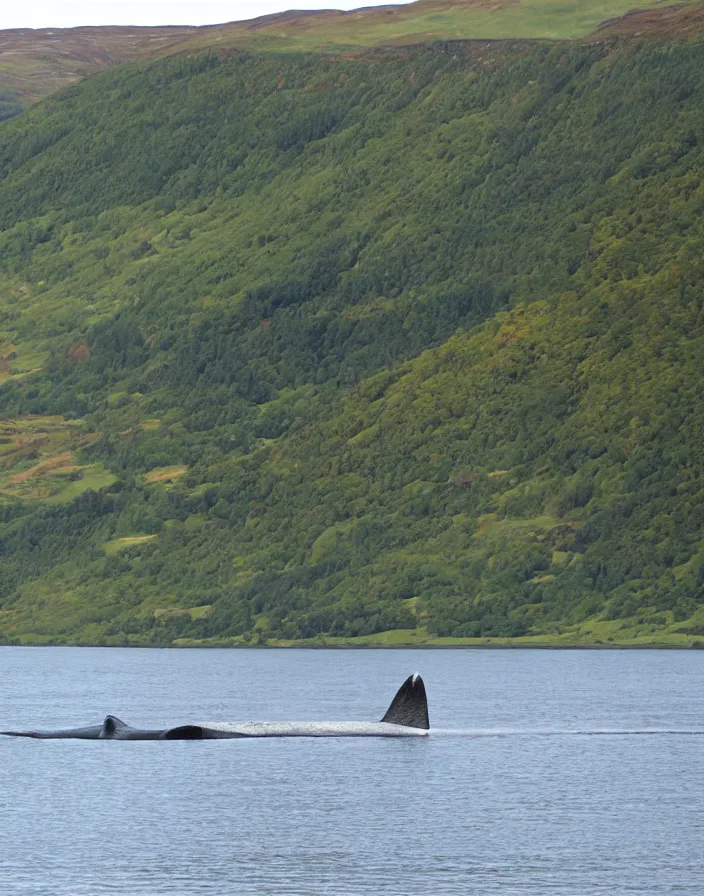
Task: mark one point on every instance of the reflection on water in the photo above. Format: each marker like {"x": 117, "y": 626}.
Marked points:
{"x": 507, "y": 732}
{"x": 571, "y": 773}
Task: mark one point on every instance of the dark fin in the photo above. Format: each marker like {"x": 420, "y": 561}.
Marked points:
{"x": 114, "y": 728}
{"x": 184, "y": 732}
{"x": 111, "y": 729}
{"x": 410, "y": 705}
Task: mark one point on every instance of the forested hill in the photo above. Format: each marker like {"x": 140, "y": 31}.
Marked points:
{"x": 388, "y": 347}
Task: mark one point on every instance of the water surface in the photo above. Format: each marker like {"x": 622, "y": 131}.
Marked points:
{"x": 575, "y": 773}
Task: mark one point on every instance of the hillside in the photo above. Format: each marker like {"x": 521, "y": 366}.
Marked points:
{"x": 395, "y": 346}
{"x": 34, "y": 63}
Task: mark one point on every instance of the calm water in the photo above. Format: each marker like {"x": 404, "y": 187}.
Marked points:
{"x": 550, "y": 773}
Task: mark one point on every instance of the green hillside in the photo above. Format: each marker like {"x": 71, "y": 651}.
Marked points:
{"x": 373, "y": 349}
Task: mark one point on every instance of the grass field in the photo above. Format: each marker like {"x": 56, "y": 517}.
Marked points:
{"x": 595, "y": 634}
{"x": 431, "y": 20}
{"x": 165, "y": 474}
{"x": 38, "y": 460}
{"x": 115, "y": 545}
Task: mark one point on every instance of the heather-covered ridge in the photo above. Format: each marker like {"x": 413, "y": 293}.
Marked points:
{"x": 34, "y": 63}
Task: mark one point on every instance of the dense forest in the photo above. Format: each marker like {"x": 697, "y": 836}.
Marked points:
{"x": 379, "y": 348}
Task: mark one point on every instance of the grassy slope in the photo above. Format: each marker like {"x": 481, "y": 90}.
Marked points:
{"x": 296, "y": 442}
{"x": 38, "y": 460}
{"x": 35, "y": 63}
{"x": 429, "y": 20}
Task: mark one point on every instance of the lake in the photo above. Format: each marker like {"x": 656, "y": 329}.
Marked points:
{"x": 547, "y": 772}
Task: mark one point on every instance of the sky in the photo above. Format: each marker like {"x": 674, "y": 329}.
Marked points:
{"x": 71, "y": 13}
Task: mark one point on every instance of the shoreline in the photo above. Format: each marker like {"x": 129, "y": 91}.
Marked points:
{"x": 697, "y": 645}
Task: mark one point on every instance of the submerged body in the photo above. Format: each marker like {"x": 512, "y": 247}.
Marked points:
{"x": 406, "y": 717}
{"x": 310, "y": 729}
